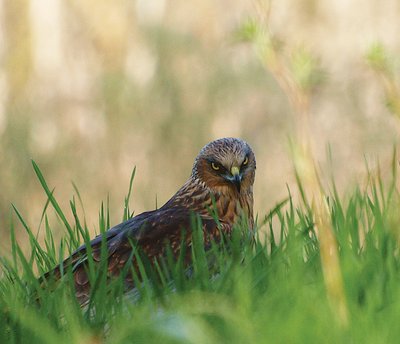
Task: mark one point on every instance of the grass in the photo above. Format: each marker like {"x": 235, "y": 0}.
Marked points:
{"x": 249, "y": 290}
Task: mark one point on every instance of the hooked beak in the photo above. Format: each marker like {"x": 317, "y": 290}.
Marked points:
{"x": 235, "y": 177}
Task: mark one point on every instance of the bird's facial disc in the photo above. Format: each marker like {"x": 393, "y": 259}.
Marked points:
{"x": 226, "y": 164}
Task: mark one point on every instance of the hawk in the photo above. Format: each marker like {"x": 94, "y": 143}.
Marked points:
{"x": 221, "y": 181}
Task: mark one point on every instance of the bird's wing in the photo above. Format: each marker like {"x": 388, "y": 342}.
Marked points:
{"x": 150, "y": 232}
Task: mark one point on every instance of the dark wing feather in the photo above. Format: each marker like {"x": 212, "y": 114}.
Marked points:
{"x": 150, "y": 232}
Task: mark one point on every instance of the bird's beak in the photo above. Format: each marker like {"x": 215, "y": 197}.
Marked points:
{"x": 236, "y": 177}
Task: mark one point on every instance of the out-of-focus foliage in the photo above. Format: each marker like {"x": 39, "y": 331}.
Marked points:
{"x": 90, "y": 89}
{"x": 388, "y": 69}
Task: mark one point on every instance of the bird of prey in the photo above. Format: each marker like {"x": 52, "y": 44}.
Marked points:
{"x": 221, "y": 182}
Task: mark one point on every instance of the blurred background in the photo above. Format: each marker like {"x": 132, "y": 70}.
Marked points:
{"x": 90, "y": 89}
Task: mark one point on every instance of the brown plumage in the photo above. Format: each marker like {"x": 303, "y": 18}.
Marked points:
{"x": 223, "y": 173}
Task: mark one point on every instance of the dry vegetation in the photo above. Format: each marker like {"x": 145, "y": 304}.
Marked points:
{"x": 89, "y": 89}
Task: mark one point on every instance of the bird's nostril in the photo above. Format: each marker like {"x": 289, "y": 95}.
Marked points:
{"x": 235, "y": 171}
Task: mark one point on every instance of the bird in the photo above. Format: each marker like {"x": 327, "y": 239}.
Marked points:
{"x": 219, "y": 192}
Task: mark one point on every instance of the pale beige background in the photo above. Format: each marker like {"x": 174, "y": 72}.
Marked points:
{"x": 91, "y": 88}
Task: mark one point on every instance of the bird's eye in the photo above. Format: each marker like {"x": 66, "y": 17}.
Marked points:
{"x": 246, "y": 161}
{"x": 214, "y": 166}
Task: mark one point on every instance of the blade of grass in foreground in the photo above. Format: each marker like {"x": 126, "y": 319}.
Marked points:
{"x": 55, "y": 204}
{"x": 127, "y": 213}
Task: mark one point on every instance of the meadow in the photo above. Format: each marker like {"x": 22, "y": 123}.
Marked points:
{"x": 253, "y": 288}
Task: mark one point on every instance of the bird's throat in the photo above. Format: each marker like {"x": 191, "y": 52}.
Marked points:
{"x": 231, "y": 206}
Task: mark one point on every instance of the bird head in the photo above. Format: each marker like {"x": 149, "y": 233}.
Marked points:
{"x": 226, "y": 164}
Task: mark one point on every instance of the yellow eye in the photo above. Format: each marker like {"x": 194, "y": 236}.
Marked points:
{"x": 214, "y": 166}
{"x": 246, "y": 161}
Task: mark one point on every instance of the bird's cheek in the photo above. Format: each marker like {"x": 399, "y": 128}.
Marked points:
{"x": 247, "y": 181}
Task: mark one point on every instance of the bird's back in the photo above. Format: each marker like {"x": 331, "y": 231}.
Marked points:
{"x": 149, "y": 233}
